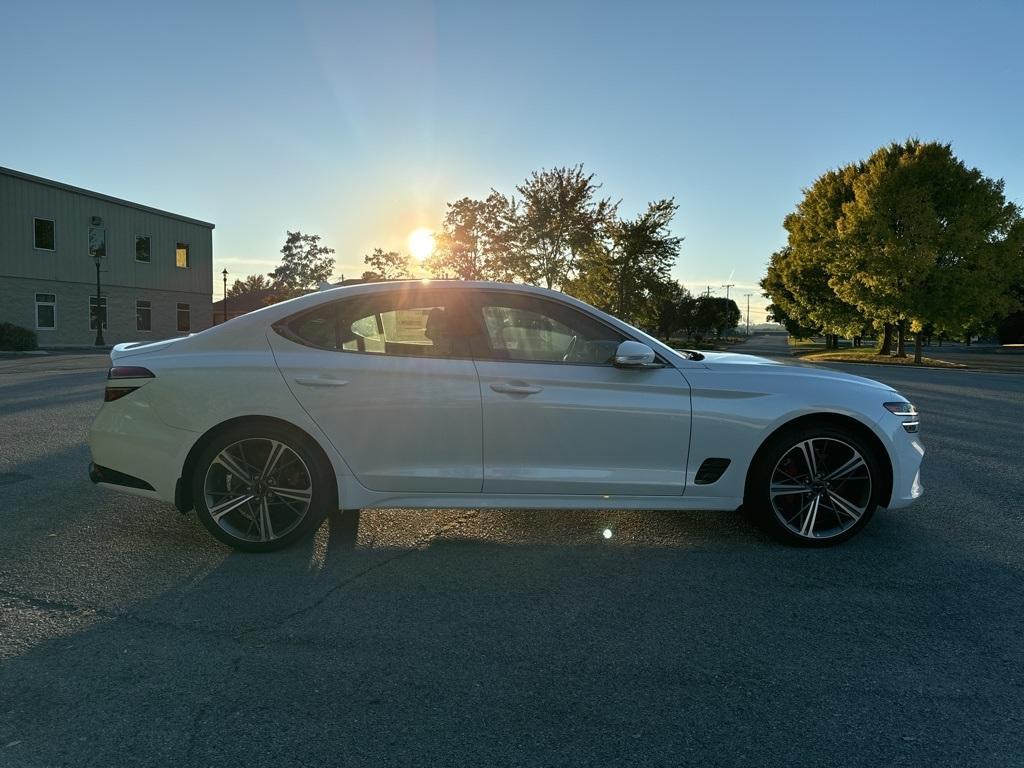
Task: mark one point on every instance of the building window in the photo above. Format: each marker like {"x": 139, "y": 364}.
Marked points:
{"x": 142, "y": 244}
{"x": 181, "y": 256}
{"x": 92, "y": 312}
{"x": 46, "y": 311}
{"x": 143, "y": 316}
{"x": 184, "y": 318}
{"x": 97, "y": 242}
{"x": 45, "y": 239}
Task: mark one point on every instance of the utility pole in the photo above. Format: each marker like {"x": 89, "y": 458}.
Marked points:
{"x": 727, "y": 286}
{"x": 748, "y": 295}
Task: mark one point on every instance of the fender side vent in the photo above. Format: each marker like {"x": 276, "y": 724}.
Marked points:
{"x": 710, "y": 471}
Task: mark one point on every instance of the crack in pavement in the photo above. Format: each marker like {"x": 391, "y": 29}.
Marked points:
{"x": 199, "y": 714}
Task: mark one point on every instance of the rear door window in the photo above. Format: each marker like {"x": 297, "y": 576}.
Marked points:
{"x": 404, "y": 323}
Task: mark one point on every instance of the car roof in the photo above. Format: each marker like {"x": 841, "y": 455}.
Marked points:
{"x": 239, "y": 329}
{"x": 352, "y": 287}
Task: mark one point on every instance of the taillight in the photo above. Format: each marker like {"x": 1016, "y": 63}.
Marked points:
{"x": 129, "y": 372}
{"x": 124, "y": 373}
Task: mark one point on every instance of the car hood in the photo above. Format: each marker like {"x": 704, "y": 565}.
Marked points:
{"x": 760, "y": 366}
{"x": 736, "y": 357}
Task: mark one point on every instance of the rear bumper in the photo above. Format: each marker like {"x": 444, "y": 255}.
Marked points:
{"x": 108, "y": 476}
{"x": 134, "y": 452}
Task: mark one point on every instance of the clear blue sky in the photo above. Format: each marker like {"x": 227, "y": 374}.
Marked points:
{"x": 358, "y": 121}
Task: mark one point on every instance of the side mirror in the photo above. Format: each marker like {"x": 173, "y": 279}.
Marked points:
{"x": 634, "y": 354}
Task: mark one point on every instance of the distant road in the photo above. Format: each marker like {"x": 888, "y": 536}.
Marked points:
{"x": 986, "y": 358}
{"x": 766, "y": 345}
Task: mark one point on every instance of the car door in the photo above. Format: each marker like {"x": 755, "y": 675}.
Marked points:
{"x": 559, "y": 418}
{"x": 389, "y": 379}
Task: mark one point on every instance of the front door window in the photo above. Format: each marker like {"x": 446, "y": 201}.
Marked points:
{"x": 534, "y": 329}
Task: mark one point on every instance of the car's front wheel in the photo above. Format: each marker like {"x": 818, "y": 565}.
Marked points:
{"x": 814, "y": 485}
{"x": 261, "y": 487}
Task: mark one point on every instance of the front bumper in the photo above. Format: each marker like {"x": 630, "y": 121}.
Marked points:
{"x": 906, "y": 452}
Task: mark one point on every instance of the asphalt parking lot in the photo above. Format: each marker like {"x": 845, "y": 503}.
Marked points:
{"x": 128, "y": 636}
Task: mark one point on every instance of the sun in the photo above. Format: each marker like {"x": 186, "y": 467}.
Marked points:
{"x": 421, "y": 243}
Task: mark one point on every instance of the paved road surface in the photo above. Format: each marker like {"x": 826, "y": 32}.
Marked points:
{"x": 129, "y": 637}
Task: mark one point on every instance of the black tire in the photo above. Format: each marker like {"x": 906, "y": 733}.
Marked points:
{"x": 780, "y": 468}
{"x": 304, "y": 462}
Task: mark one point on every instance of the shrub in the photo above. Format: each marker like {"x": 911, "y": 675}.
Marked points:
{"x": 14, "y": 337}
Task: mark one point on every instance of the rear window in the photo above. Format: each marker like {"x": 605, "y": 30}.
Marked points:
{"x": 382, "y": 325}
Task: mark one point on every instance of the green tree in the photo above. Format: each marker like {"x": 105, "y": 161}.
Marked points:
{"x": 305, "y": 263}
{"x": 387, "y": 265}
{"x": 666, "y": 301}
{"x": 786, "y": 308}
{"x": 559, "y": 218}
{"x": 476, "y": 240}
{"x": 806, "y": 265}
{"x": 909, "y": 240}
{"x": 706, "y": 315}
{"x": 251, "y": 284}
{"x": 627, "y": 273}
{"x": 926, "y": 241}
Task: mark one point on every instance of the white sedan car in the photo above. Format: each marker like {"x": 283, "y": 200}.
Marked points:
{"x": 461, "y": 394}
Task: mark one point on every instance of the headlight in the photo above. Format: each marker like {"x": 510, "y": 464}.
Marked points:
{"x": 906, "y": 410}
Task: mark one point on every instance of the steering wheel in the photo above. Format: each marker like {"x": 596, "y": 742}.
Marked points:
{"x": 570, "y": 349}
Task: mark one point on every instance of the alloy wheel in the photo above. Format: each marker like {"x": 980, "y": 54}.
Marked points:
{"x": 820, "y": 488}
{"x": 258, "y": 490}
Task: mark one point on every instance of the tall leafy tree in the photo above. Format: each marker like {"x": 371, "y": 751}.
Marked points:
{"x": 477, "y": 240}
{"x": 627, "y": 272}
{"x": 559, "y": 218}
{"x": 461, "y": 245}
{"x": 806, "y": 265}
{"x": 911, "y": 239}
{"x": 387, "y": 265}
{"x": 666, "y": 301}
{"x": 706, "y": 315}
{"x": 251, "y": 284}
{"x": 786, "y": 307}
{"x": 926, "y": 241}
{"x": 305, "y": 263}
{"x": 644, "y": 250}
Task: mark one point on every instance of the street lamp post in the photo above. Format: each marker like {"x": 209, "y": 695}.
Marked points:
{"x": 99, "y": 314}
{"x": 748, "y": 313}
{"x": 224, "y": 274}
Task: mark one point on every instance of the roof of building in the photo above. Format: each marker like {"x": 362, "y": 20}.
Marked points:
{"x": 247, "y": 302}
{"x": 100, "y": 196}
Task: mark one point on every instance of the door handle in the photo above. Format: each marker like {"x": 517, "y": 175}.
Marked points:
{"x": 516, "y": 389}
{"x": 317, "y": 381}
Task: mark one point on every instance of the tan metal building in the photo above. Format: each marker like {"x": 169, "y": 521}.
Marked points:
{"x": 156, "y": 268}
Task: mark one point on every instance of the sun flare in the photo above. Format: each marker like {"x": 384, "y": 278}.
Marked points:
{"x": 421, "y": 243}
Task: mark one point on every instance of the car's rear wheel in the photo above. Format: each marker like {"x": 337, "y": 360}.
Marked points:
{"x": 259, "y": 488}
{"x": 814, "y": 485}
